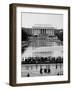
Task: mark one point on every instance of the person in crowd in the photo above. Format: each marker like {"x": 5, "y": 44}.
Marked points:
{"x": 49, "y": 70}
{"x": 45, "y": 70}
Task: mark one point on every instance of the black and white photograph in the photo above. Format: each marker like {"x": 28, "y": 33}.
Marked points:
{"x": 41, "y": 44}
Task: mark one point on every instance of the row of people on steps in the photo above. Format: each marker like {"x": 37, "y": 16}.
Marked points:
{"x": 38, "y": 60}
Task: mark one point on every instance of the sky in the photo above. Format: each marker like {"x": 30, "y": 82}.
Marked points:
{"x": 30, "y": 19}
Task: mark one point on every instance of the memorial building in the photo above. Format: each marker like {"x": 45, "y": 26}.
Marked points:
{"x": 43, "y": 35}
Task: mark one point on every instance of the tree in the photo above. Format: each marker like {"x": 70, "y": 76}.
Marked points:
{"x": 24, "y": 36}
{"x": 59, "y": 34}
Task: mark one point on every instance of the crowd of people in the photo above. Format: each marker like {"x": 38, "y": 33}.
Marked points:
{"x": 42, "y": 60}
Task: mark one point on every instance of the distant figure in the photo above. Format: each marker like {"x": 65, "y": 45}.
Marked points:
{"x": 28, "y": 75}
{"x": 56, "y": 66}
{"x": 49, "y": 70}
{"x": 45, "y": 70}
{"x": 41, "y": 71}
{"x": 57, "y": 73}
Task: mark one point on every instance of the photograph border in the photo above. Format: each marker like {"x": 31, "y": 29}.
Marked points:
{"x": 12, "y": 43}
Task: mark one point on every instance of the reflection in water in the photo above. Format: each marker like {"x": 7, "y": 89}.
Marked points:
{"x": 29, "y": 70}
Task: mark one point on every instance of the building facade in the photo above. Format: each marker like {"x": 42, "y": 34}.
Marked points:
{"x": 37, "y": 30}
{"x": 43, "y": 36}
